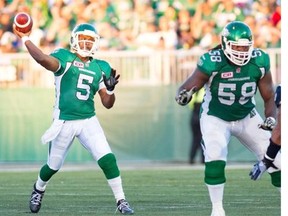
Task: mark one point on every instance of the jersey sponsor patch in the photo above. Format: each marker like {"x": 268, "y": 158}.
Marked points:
{"x": 227, "y": 75}
{"x": 78, "y": 64}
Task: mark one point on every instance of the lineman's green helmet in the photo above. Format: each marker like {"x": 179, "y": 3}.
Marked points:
{"x": 238, "y": 34}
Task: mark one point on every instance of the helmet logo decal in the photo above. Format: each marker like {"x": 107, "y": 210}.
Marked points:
{"x": 225, "y": 32}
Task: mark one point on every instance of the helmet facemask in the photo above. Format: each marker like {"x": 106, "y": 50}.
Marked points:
{"x": 84, "y": 41}
{"x": 236, "y": 54}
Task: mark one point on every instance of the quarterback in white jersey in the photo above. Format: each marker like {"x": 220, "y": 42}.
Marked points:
{"x": 78, "y": 77}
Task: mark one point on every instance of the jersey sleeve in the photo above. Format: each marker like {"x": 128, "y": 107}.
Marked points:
{"x": 203, "y": 64}
{"x": 105, "y": 67}
{"x": 64, "y": 56}
{"x": 210, "y": 61}
{"x": 262, "y": 59}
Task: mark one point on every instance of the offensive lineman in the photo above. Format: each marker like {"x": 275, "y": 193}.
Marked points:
{"x": 78, "y": 77}
{"x": 231, "y": 74}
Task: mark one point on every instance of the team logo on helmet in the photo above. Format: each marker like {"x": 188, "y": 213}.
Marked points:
{"x": 225, "y": 32}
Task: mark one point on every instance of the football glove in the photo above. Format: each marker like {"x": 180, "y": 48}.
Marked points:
{"x": 184, "y": 97}
{"x": 112, "y": 81}
{"x": 260, "y": 167}
{"x": 268, "y": 124}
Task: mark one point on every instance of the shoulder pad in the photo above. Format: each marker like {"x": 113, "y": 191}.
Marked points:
{"x": 104, "y": 66}
{"x": 63, "y": 54}
{"x": 211, "y": 61}
{"x": 260, "y": 57}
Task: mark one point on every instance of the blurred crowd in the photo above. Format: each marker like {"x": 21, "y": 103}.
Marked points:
{"x": 141, "y": 24}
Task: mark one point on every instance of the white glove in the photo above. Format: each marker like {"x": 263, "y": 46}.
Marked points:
{"x": 184, "y": 97}
{"x": 268, "y": 124}
{"x": 258, "y": 170}
{"x": 260, "y": 167}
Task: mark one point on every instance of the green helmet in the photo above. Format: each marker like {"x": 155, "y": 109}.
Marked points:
{"x": 237, "y": 42}
{"x": 88, "y": 47}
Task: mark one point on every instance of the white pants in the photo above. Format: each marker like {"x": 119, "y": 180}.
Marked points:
{"x": 89, "y": 133}
{"x": 217, "y": 134}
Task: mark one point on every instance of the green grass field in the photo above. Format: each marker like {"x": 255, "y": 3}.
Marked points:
{"x": 151, "y": 192}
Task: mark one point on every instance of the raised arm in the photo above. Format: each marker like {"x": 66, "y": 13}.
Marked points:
{"x": 47, "y": 61}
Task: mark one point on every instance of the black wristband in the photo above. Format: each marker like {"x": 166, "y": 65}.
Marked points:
{"x": 272, "y": 150}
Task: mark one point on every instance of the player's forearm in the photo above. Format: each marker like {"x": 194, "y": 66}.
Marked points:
{"x": 270, "y": 108}
{"x": 46, "y": 61}
{"x": 196, "y": 81}
{"x": 108, "y": 101}
{"x": 35, "y": 52}
{"x": 276, "y": 133}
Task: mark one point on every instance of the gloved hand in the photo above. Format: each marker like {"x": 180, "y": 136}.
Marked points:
{"x": 111, "y": 82}
{"x": 260, "y": 167}
{"x": 184, "y": 97}
{"x": 268, "y": 124}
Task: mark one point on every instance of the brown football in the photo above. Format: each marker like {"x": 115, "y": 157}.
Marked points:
{"x": 23, "y": 22}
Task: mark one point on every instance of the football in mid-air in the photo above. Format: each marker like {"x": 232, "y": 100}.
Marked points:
{"x": 23, "y": 22}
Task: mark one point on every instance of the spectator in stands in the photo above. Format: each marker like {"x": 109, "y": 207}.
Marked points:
{"x": 183, "y": 20}
{"x": 142, "y": 18}
{"x": 167, "y": 31}
{"x": 148, "y": 39}
{"x": 276, "y": 15}
{"x": 5, "y": 21}
{"x": 8, "y": 43}
{"x": 226, "y": 12}
{"x": 208, "y": 39}
{"x": 275, "y": 37}
{"x": 185, "y": 40}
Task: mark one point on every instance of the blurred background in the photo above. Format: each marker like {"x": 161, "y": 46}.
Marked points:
{"x": 154, "y": 45}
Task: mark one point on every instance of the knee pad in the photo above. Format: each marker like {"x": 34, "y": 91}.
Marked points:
{"x": 276, "y": 179}
{"x": 215, "y": 172}
{"x": 109, "y": 166}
